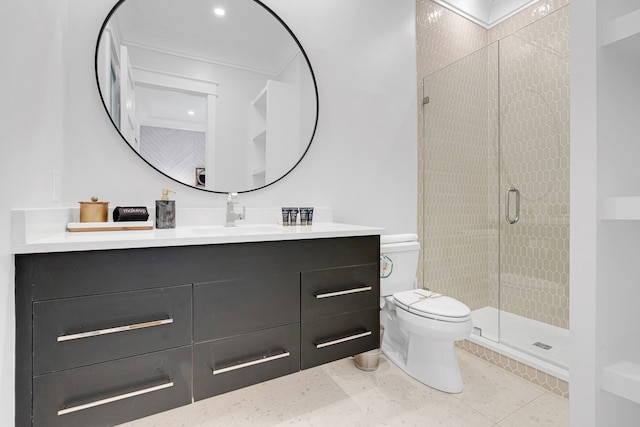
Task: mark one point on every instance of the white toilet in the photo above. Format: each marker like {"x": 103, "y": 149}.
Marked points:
{"x": 420, "y": 327}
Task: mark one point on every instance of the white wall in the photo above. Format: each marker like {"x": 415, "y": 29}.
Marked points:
{"x": 604, "y": 251}
{"x": 32, "y": 117}
{"x": 362, "y": 162}
{"x": 583, "y": 220}
{"x": 363, "y": 159}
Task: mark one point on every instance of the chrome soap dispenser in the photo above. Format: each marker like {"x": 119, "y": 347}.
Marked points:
{"x": 166, "y": 211}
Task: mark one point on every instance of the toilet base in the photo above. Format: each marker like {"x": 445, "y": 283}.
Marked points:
{"x": 424, "y": 348}
{"x": 433, "y": 364}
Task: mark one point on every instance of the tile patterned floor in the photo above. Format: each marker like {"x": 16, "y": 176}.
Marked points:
{"x": 338, "y": 394}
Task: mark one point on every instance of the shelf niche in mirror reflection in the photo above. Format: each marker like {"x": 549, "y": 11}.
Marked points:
{"x": 188, "y": 90}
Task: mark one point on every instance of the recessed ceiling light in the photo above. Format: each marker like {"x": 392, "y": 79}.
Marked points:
{"x": 219, "y": 11}
{"x": 191, "y": 112}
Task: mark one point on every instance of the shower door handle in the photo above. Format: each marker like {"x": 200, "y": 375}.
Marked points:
{"x": 508, "y": 206}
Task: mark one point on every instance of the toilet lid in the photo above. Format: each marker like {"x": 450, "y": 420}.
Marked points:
{"x": 433, "y": 305}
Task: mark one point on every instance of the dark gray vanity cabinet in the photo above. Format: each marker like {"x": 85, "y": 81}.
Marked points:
{"x": 68, "y": 331}
{"x": 113, "y": 392}
{"x": 340, "y": 312}
{"x": 102, "y": 337}
{"x": 245, "y": 331}
{"x": 107, "y": 336}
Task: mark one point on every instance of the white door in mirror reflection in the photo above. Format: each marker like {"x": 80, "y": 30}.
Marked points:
{"x": 128, "y": 121}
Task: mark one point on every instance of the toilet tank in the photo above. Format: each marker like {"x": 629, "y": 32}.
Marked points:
{"x": 398, "y": 262}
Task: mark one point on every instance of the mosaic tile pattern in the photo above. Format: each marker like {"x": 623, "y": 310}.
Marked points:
{"x": 456, "y": 230}
{"x": 459, "y": 174}
{"x": 177, "y": 152}
{"x": 442, "y": 37}
{"x": 531, "y": 14}
{"x": 544, "y": 380}
{"x": 533, "y": 54}
{"x": 534, "y": 158}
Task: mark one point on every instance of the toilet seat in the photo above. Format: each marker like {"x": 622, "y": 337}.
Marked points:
{"x": 432, "y": 305}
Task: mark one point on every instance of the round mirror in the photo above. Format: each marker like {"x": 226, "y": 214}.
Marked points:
{"x": 220, "y": 98}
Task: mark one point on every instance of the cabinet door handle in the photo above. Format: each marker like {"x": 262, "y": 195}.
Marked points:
{"x": 345, "y": 292}
{"x": 106, "y": 331}
{"x": 113, "y": 399}
{"x": 341, "y": 340}
{"x": 251, "y": 363}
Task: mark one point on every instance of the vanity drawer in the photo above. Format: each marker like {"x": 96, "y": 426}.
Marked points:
{"x": 73, "y": 332}
{"x": 233, "y": 307}
{"x": 339, "y": 290}
{"x": 231, "y": 363}
{"x": 113, "y": 392}
{"x": 332, "y": 338}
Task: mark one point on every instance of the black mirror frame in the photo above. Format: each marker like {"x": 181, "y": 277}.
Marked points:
{"x": 315, "y": 87}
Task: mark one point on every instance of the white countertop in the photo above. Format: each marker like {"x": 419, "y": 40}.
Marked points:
{"x": 185, "y": 236}
{"x": 63, "y": 241}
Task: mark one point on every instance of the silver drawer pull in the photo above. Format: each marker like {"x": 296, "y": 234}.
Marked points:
{"x": 345, "y": 292}
{"x": 341, "y": 340}
{"x": 114, "y": 330}
{"x": 114, "y": 399}
{"x": 251, "y": 363}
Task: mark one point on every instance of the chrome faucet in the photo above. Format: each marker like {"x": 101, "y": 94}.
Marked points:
{"x": 232, "y": 200}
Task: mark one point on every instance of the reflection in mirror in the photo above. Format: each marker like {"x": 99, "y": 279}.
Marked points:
{"x": 222, "y": 103}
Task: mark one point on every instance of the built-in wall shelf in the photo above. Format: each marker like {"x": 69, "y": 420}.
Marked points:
{"x": 623, "y": 34}
{"x": 621, "y": 208}
{"x": 622, "y": 379}
{"x": 258, "y": 141}
{"x": 260, "y": 101}
{"x": 621, "y": 28}
{"x": 258, "y": 172}
{"x": 260, "y": 137}
{"x": 274, "y": 132}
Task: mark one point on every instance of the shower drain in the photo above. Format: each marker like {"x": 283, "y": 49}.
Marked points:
{"x": 542, "y": 345}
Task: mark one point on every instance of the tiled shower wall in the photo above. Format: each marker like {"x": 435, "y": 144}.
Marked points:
{"x": 456, "y": 226}
{"x": 534, "y": 158}
{"x": 177, "y": 152}
{"x": 459, "y": 193}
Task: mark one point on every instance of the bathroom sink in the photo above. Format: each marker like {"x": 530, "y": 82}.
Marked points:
{"x": 242, "y": 230}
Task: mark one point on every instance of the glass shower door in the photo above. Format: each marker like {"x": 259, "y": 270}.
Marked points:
{"x": 534, "y": 188}
{"x": 460, "y": 184}
{"x": 495, "y": 187}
